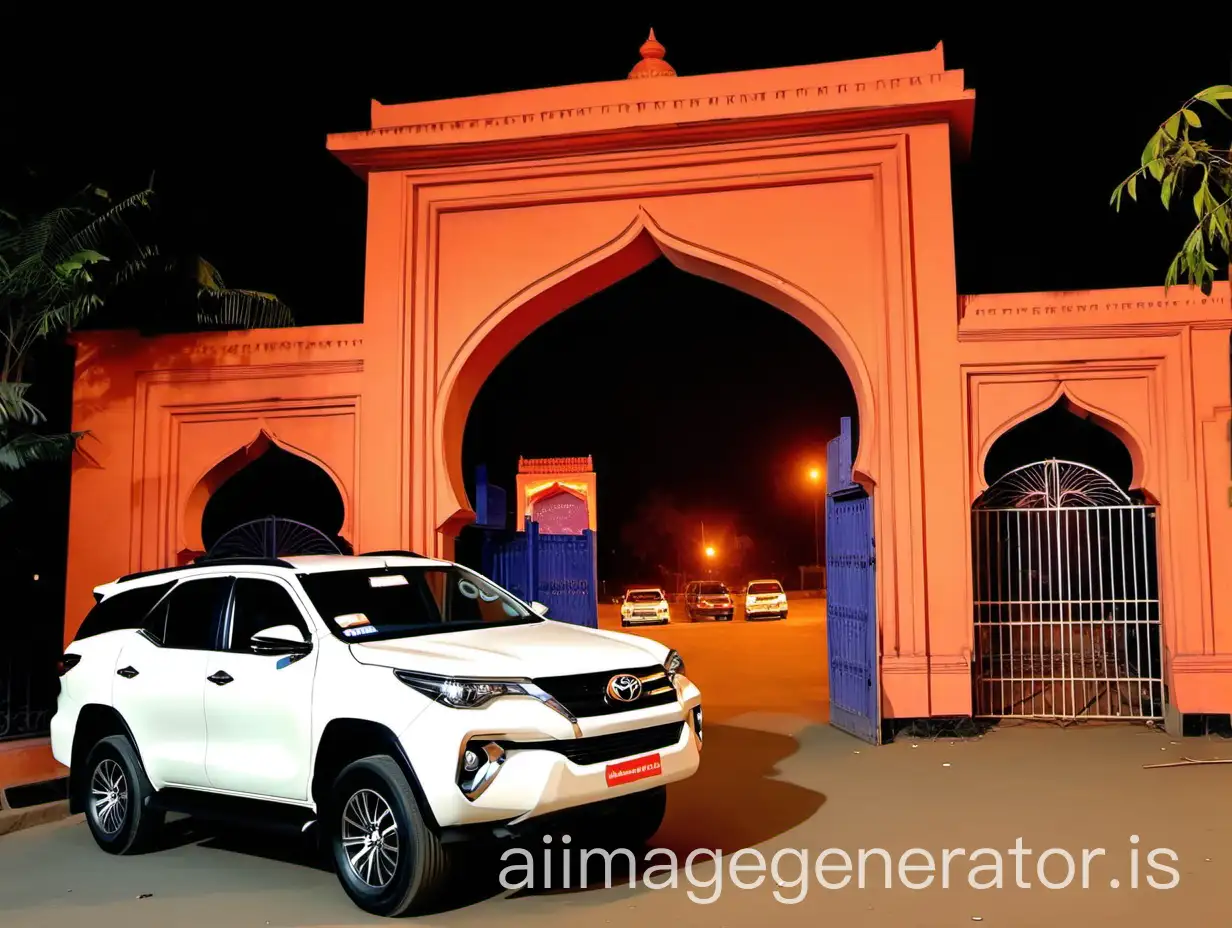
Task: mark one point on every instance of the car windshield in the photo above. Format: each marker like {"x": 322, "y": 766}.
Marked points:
{"x": 643, "y": 596}
{"x": 401, "y": 602}
{"x": 758, "y": 588}
{"x": 712, "y": 589}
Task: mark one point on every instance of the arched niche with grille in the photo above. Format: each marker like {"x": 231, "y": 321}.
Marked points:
{"x": 1066, "y": 598}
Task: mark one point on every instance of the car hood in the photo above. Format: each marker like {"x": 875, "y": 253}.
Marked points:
{"x": 541, "y": 650}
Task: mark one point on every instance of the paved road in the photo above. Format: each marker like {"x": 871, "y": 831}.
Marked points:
{"x": 771, "y": 780}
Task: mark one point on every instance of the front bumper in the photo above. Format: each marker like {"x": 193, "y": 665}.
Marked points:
{"x": 536, "y": 782}
{"x": 770, "y": 610}
{"x": 658, "y": 618}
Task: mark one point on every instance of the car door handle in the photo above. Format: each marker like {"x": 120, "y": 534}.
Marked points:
{"x": 222, "y": 678}
{"x": 127, "y": 672}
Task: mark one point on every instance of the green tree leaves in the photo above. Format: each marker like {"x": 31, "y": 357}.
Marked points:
{"x": 60, "y": 266}
{"x": 1178, "y": 162}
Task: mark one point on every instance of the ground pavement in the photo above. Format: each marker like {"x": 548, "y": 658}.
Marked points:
{"x": 774, "y": 778}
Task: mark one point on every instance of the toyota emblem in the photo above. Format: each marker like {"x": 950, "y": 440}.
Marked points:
{"x": 624, "y": 687}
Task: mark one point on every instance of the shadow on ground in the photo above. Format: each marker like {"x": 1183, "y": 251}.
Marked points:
{"x": 734, "y": 801}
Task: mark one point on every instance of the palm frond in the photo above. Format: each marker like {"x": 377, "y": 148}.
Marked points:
{"x": 5, "y": 499}
{"x": 29, "y": 448}
{"x": 228, "y": 306}
{"x": 91, "y": 235}
{"x": 250, "y": 309}
{"x": 14, "y": 407}
{"x": 208, "y": 276}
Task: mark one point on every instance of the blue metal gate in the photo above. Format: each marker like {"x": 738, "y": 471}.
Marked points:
{"x": 851, "y": 597}
{"x": 556, "y": 570}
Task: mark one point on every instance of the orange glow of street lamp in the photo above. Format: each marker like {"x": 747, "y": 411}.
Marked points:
{"x": 815, "y": 475}
{"x": 709, "y": 550}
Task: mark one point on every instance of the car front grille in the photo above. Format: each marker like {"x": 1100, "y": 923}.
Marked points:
{"x": 585, "y": 694}
{"x": 599, "y": 749}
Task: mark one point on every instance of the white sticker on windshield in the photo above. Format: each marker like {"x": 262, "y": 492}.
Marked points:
{"x": 362, "y": 630}
{"x": 351, "y": 620}
{"x": 387, "y": 580}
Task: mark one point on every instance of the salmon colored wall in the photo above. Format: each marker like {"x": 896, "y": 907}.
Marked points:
{"x": 163, "y": 415}
{"x": 823, "y": 190}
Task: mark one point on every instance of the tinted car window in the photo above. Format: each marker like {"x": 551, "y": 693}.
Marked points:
{"x": 756, "y": 588}
{"x": 126, "y": 609}
{"x": 261, "y": 604}
{"x": 188, "y": 618}
{"x": 398, "y": 602}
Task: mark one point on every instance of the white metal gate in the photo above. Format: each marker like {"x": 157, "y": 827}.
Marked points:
{"x": 1067, "y": 621}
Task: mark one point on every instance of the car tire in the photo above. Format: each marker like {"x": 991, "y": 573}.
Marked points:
{"x": 117, "y": 797}
{"x": 407, "y": 870}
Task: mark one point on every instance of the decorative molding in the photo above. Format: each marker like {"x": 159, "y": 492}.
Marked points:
{"x": 1201, "y": 663}
{"x": 226, "y": 373}
{"x": 244, "y": 349}
{"x": 1087, "y": 314}
{"x": 834, "y": 95}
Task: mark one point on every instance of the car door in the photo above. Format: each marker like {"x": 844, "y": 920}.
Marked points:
{"x": 258, "y": 707}
{"x": 160, "y": 681}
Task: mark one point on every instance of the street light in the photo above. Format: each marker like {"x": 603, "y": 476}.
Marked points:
{"x": 709, "y": 552}
{"x": 814, "y": 476}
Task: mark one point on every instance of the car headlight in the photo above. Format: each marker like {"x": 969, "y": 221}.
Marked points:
{"x": 461, "y": 693}
{"x": 674, "y": 665}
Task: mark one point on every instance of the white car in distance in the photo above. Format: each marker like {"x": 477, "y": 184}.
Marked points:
{"x": 645, "y": 606}
{"x": 765, "y": 599}
{"x": 396, "y": 704}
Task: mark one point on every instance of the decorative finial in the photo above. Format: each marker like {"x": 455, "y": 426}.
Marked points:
{"x": 652, "y": 63}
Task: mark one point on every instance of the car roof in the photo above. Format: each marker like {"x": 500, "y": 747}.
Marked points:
{"x": 299, "y": 564}
{"x": 644, "y": 589}
{"x": 767, "y": 580}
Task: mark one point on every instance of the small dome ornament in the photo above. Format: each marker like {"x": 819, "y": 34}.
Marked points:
{"x": 652, "y": 63}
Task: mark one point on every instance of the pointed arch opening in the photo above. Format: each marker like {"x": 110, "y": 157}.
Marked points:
{"x": 260, "y": 480}
{"x": 1064, "y": 428}
{"x": 640, "y": 244}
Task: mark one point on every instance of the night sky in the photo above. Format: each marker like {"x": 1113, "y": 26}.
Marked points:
{"x": 720, "y": 410}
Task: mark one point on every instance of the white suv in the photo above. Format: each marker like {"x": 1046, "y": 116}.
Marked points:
{"x": 398, "y": 703}
{"x": 645, "y": 606}
{"x": 765, "y": 599}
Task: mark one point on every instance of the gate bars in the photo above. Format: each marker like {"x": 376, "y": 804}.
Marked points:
{"x": 1067, "y": 617}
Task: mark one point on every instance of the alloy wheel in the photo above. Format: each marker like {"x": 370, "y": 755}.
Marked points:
{"x": 370, "y": 838}
{"x": 109, "y": 797}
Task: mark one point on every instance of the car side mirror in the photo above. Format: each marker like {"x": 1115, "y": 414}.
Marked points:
{"x": 539, "y": 609}
{"x": 280, "y": 639}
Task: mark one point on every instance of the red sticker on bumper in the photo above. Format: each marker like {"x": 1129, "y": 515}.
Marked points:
{"x": 629, "y": 771}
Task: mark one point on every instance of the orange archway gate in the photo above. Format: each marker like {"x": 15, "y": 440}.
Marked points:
{"x": 823, "y": 190}
{"x": 488, "y": 216}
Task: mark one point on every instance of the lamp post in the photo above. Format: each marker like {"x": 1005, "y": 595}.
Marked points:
{"x": 814, "y": 476}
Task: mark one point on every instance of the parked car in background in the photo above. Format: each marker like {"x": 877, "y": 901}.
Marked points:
{"x": 395, "y": 704}
{"x": 645, "y": 606}
{"x": 765, "y": 599}
{"x": 708, "y": 599}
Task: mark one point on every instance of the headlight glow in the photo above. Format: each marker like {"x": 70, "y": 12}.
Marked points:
{"x": 460, "y": 693}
